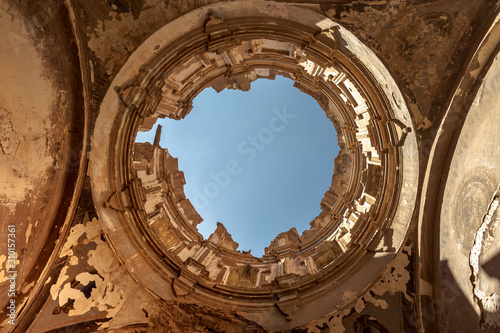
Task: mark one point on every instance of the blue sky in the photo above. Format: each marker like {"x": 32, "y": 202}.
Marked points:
{"x": 257, "y": 161}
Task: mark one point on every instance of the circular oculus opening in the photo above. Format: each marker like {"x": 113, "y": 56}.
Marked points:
{"x": 259, "y": 162}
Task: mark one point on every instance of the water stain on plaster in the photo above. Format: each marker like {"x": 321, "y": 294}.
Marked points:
{"x": 416, "y": 42}
{"x": 23, "y": 138}
{"x": 113, "y": 40}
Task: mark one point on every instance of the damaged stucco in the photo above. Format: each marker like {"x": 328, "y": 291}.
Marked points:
{"x": 93, "y": 283}
{"x": 469, "y": 243}
{"x": 394, "y": 281}
{"x": 39, "y": 147}
{"x": 487, "y": 296}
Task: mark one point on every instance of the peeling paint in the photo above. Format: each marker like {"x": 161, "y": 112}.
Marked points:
{"x": 28, "y": 232}
{"x": 72, "y": 240}
{"x": 488, "y": 301}
{"x": 9, "y": 140}
{"x": 56, "y": 288}
{"x": 27, "y": 288}
{"x": 111, "y": 285}
{"x": 73, "y": 261}
{"x": 396, "y": 277}
{"x": 108, "y": 42}
{"x": 3, "y": 266}
{"x": 333, "y": 322}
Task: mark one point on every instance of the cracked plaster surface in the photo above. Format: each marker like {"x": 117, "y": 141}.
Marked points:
{"x": 484, "y": 293}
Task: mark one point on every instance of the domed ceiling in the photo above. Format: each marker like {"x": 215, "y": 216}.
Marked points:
{"x": 106, "y": 239}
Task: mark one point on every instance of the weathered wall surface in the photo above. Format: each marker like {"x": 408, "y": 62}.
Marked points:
{"x": 41, "y": 127}
{"x": 423, "y": 56}
{"x": 470, "y": 246}
{"x": 422, "y": 42}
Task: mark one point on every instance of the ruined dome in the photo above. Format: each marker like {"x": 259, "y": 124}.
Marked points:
{"x": 99, "y": 235}
{"x": 138, "y": 188}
